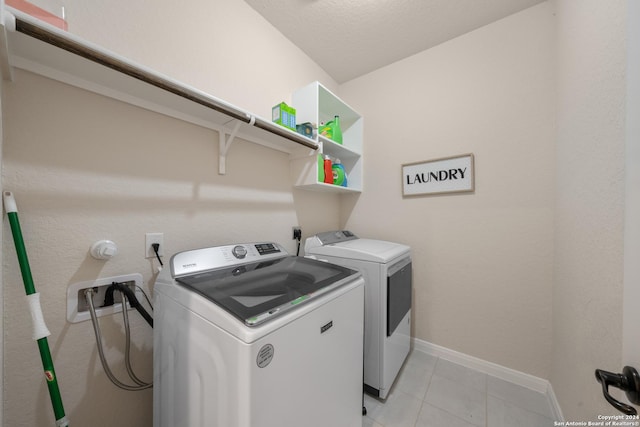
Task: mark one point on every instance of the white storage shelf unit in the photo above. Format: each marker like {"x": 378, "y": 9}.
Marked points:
{"x": 316, "y": 104}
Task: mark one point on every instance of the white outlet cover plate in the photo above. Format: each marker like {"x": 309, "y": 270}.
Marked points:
{"x": 72, "y": 297}
{"x": 151, "y": 238}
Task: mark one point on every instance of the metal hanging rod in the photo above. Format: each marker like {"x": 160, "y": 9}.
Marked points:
{"x": 61, "y": 40}
{"x": 86, "y": 52}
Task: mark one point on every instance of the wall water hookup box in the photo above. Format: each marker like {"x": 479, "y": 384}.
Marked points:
{"x": 77, "y": 307}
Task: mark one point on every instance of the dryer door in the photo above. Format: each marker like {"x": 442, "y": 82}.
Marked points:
{"x": 398, "y": 293}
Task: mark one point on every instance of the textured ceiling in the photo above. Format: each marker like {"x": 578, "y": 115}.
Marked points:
{"x": 349, "y": 38}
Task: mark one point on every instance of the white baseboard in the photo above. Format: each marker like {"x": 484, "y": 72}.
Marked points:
{"x": 507, "y": 374}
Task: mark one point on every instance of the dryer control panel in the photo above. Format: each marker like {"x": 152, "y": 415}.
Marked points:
{"x": 206, "y": 259}
{"x": 329, "y": 238}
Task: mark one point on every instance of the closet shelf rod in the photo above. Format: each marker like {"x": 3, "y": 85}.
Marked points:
{"x": 33, "y": 28}
{"x": 65, "y": 43}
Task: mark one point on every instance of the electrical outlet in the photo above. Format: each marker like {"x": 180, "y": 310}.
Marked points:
{"x": 297, "y": 233}
{"x": 150, "y": 239}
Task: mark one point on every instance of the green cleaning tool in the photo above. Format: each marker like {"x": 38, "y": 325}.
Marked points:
{"x": 40, "y": 330}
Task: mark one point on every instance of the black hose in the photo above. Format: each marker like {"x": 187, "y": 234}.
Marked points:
{"x": 131, "y": 296}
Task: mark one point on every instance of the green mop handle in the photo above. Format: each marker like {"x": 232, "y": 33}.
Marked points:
{"x": 40, "y": 331}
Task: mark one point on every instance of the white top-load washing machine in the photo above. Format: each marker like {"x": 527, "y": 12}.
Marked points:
{"x": 386, "y": 267}
{"x": 248, "y": 336}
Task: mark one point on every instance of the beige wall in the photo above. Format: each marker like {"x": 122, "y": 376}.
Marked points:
{"x": 2, "y": 365}
{"x": 222, "y": 47}
{"x": 84, "y": 167}
{"x": 483, "y": 261}
{"x": 587, "y": 297}
{"x": 526, "y": 272}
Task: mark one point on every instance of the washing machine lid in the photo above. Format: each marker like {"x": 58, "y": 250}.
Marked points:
{"x": 259, "y": 291}
{"x": 362, "y": 249}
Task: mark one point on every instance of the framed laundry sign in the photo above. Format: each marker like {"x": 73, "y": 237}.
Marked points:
{"x": 446, "y": 175}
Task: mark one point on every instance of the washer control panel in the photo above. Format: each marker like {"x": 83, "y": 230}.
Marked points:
{"x": 206, "y": 259}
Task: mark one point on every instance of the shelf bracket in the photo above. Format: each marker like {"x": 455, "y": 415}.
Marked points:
{"x": 225, "y": 142}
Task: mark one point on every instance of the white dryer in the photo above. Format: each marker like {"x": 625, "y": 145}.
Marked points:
{"x": 248, "y": 336}
{"x": 386, "y": 268}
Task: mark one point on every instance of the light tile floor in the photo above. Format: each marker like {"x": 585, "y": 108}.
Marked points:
{"x": 433, "y": 392}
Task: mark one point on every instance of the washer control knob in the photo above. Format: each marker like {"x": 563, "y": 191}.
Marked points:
{"x": 239, "y": 252}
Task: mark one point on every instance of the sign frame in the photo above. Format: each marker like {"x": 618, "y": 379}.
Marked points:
{"x": 427, "y": 182}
